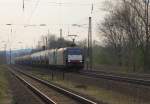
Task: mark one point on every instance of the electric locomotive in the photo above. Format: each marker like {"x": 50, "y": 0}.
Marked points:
{"x": 75, "y": 57}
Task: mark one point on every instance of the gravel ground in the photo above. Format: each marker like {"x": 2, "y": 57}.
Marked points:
{"x": 54, "y": 95}
{"x": 21, "y": 94}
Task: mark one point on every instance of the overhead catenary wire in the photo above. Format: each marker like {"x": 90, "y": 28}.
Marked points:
{"x": 58, "y": 4}
{"x": 69, "y": 3}
{"x": 33, "y": 11}
{"x": 38, "y": 3}
{"x": 23, "y": 6}
{"x": 65, "y": 4}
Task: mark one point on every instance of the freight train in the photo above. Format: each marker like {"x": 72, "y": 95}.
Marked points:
{"x": 64, "y": 58}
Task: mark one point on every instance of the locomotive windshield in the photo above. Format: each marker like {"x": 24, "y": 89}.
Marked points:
{"x": 74, "y": 52}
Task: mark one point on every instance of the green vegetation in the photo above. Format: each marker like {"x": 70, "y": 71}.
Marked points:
{"x": 4, "y": 92}
{"x": 106, "y": 57}
{"x": 101, "y": 94}
{"x": 2, "y": 57}
{"x": 101, "y": 56}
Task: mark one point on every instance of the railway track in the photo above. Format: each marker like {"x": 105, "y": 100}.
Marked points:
{"x": 128, "y": 78}
{"x": 49, "y": 93}
{"x": 131, "y": 75}
{"x": 116, "y": 77}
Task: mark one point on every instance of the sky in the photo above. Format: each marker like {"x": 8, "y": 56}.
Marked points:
{"x": 20, "y": 28}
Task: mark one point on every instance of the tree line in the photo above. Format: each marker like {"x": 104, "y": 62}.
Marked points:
{"x": 50, "y": 41}
{"x": 127, "y": 36}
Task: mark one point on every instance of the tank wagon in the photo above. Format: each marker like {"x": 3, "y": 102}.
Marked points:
{"x": 71, "y": 57}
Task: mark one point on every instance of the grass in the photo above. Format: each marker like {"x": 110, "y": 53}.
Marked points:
{"x": 101, "y": 94}
{"x": 4, "y": 90}
{"x": 118, "y": 69}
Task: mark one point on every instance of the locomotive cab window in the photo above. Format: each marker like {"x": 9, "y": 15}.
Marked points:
{"x": 74, "y": 52}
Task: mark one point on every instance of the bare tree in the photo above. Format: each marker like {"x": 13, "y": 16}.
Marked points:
{"x": 124, "y": 30}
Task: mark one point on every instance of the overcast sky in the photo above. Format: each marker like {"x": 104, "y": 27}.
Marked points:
{"x": 55, "y": 14}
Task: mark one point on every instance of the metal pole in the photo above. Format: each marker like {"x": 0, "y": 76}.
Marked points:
{"x": 52, "y": 75}
{"x": 48, "y": 40}
{"x": 90, "y": 57}
{"x": 60, "y": 33}
{"x": 88, "y": 48}
{"x": 147, "y": 33}
{"x": 5, "y": 54}
{"x": 23, "y": 6}
{"x": 63, "y": 74}
{"x": 10, "y": 55}
{"x": 60, "y": 40}
{"x": 46, "y": 45}
{"x": 10, "y": 45}
{"x": 91, "y": 48}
